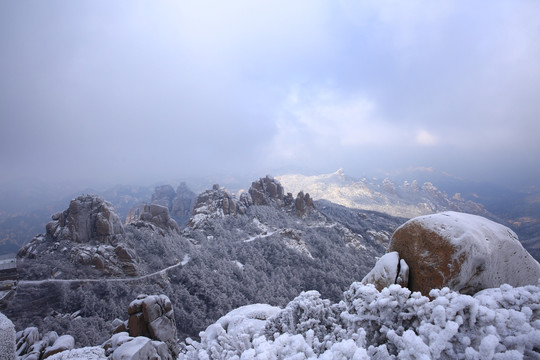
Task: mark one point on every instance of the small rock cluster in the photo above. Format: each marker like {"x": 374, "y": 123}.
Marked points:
{"x": 266, "y": 191}
{"x": 149, "y": 333}
{"x": 215, "y": 203}
{"x": 31, "y": 346}
{"x": 302, "y": 203}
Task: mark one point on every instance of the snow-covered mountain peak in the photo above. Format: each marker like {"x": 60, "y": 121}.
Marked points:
{"x": 407, "y": 200}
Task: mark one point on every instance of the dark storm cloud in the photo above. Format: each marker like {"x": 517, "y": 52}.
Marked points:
{"x": 138, "y": 91}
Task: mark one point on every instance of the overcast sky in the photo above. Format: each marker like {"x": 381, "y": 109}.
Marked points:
{"x": 138, "y": 91}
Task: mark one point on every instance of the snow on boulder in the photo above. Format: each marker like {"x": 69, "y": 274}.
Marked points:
{"x": 86, "y": 353}
{"x": 7, "y": 338}
{"x": 249, "y": 318}
{"x": 140, "y": 348}
{"x": 388, "y": 270}
{"x": 230, "y": 336}
{"x": 63, "y": 343}
{"x": 464, "y": 252}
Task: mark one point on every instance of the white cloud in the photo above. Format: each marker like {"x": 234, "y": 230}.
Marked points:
{"x": 425, "y": 138}
{"x": 326, "y": 122}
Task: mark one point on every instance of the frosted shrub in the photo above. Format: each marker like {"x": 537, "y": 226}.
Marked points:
{"x": 456, "y": 326}
{"x": 500, "y": 323}
{"x": 308, "y": 313}
{"x": 379, "y": 312}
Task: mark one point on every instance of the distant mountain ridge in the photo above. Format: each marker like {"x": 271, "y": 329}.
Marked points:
{"x": 408, "y": 200}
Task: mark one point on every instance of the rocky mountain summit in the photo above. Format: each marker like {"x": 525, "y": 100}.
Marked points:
{"x": 217, "y": 202}
{"x": 89, "y": 233}
{"x": 88, "y": 240}
{"x": 87, "y": 219}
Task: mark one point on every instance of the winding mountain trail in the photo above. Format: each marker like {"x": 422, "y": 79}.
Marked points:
{"x": 184, "y": 261}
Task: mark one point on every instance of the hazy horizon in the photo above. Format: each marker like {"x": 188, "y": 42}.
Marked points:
{"x": 96, "y": 93}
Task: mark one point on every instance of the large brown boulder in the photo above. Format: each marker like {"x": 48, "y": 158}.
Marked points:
{"x": 464, "y": 252}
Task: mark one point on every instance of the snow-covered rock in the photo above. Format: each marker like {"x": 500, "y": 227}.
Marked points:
{"x": 7, "y": 338}
{"x": 63, "y": 343}
{"x": 120, "y": 346}
{"x": 212, "y": 203}
{"x": 86, "y": 353}
{"x": 266, "y": 191}
{"x": 464, "y": 252}
{"x": 388, "y": 270}
{"x": 139, "y": 348}
{"x": 88, "y": 233}
{"x": 231, "y": 334}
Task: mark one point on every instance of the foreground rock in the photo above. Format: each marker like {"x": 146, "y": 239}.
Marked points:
{"x": 7, "y": 338}
{"x": 31, "y": 346}
{"x": 125, "y": 347}
{"x": 466, "y": 253}
{"x": 151, "y": 317}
